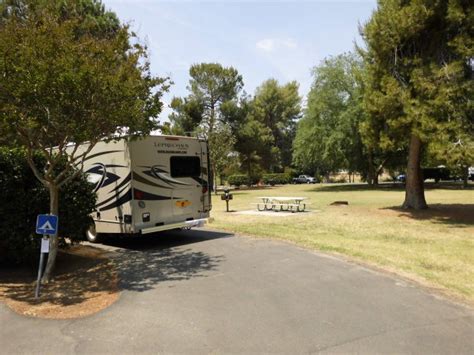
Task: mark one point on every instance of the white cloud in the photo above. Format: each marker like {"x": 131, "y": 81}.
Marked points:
{"x": 266, "y": 45}
{"x": 273, "y": 44}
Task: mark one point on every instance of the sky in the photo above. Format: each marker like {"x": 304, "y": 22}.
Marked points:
{"x": 262, "y": 39}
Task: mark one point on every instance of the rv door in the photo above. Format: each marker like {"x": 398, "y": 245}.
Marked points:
{"x": 185, "y": 170}
{"x": 206, "y": 177}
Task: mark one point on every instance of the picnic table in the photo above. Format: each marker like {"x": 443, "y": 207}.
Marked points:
{"x": 280, "y": 203}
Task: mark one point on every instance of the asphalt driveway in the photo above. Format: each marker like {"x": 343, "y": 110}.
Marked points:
{"x": 210, "y": 292}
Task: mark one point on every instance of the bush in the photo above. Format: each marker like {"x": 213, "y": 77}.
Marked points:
{"x": 24, "y": 197}
{"x": 239, "y": 180}
{"x": 276, "y": 179}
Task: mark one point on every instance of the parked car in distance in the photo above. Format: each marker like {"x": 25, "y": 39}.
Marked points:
{"x": 401, "y": 178}
{"x": 304, "y": 179}
{"x": 437, "y": 174}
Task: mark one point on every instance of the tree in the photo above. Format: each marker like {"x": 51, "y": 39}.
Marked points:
{"x": 24, "y": 197}
{"x": 62, "y": 82}
{"x": 253, "y": 138}
{"x": 211, "y": 87}
{"x": 419, "y": 59}
{"x": 222, "y": 142}
{"x": 328, "y": 138}
{"x": 186, "y": 117}
{"x": 277, "y": 107}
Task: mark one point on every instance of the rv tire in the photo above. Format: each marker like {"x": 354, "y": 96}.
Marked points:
{"x": 92, "y": 235}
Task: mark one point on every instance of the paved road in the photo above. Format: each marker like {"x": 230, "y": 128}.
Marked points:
{"x": 208, "y": 292}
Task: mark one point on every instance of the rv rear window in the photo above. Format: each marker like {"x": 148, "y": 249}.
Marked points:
{"x": 185, "y": 167}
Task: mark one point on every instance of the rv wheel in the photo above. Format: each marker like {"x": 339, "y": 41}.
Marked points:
{"x": 92, "y": 235}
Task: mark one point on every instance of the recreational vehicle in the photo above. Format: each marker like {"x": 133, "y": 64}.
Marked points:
{"x": 148, "y": 185}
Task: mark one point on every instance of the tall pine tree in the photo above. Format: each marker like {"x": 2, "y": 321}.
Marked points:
{"x": 419, "y": 57}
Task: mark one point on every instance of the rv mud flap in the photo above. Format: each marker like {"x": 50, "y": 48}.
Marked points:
{"x": 185, "y": 224}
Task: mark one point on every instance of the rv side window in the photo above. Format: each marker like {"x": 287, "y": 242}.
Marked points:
{"x": 185, "y": 167}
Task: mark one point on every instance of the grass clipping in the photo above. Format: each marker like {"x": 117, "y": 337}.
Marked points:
{"x": 86, "y": 283}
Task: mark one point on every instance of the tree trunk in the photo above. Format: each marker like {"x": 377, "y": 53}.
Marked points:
{"x": 414, "y": 188}
{"x": 53, "y": 240}
{"x": 249, "y": 171}
{"x": 214, "y": 176}
{"x": 465, "y": 176}
{"x": 371, "y": 169}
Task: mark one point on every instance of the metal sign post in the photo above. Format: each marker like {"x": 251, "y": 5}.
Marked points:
{"x": 43, "y": 251}
{"x": 46, "y": 225}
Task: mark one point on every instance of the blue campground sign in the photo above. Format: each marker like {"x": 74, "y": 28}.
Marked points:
{"x": 47, "y": 224}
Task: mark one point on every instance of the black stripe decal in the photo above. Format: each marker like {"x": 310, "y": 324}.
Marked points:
{"x": 116, "y": 166}
{"x": 151, "y": 197}
{"x": 124, "y": 182}
{"x": 110, "y": 179}
{"x": 115, "y": 196}
{"x": 141, "y": 179}
{"x": 171, "y": 182}
{"x": 124, "y": 199}
{"x": 102, "y": 153}
{"x": 116, "y": 190}
{"x": 200, "y": 181}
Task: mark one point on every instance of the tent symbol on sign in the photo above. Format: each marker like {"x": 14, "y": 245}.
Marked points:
{"x": 47, "y": 224}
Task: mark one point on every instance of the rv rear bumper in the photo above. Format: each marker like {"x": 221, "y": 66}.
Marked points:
{"x": 186, "y": 224}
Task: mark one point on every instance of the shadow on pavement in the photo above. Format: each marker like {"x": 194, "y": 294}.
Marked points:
{"x": 141, "y": 263}
{"x": 164, "y": 240}
{"x": 144, "y": 262}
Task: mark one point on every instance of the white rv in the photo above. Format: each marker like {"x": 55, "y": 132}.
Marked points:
{"x": 148, "y": 185}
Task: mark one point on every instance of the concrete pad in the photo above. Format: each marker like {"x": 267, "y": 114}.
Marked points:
{"x": 272, "y": 213}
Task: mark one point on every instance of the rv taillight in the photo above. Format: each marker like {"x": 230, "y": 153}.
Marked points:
{"x": 138, "y": 195}
{"x": 204, "y": 189}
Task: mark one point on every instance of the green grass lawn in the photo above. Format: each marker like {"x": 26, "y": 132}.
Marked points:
{"x": 434, "y": 247}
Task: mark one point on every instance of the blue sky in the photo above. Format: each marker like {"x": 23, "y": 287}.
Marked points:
{"x": 261, "y": 39}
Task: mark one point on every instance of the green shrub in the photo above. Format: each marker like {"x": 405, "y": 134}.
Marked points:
{"x": 24, "y": 197}
{"x": 237, "y": 180}
{"x": 276, "y": 179}
{"x": 240, "y": 180}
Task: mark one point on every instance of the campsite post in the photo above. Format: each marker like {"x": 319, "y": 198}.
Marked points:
{"x": 46, "y": 225}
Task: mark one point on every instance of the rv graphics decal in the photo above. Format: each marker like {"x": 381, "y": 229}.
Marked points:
{"x": 139, "y": 178}
{"x": 120, "y": 201}
{"x": 157, "y": 172}
{"x": 117, "y": 192}
{"x": 98, "y": 175}
{"x": 102, "y": 153}
{"x": 143, "y": 195}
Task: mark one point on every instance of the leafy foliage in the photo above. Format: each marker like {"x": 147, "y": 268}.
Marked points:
{"x": 419, "y": 61}
{"x": 253, "y": 138}
{"x": 240, "y": 180}
{"x": 24, "y": 197}
{"x": 222, "y": 142}
{"x": 328, "y": 137}
{"x": 276, "y": 179}
{"x": 211, "y": 87}
{"x": 277, "y": 107}
{"x": 69, "y": 72}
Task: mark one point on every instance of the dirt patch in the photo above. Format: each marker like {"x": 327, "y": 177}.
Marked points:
{"x": 85, "y": 283}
